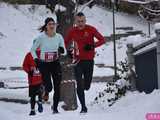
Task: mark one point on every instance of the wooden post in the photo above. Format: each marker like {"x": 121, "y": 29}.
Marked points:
{"x": 149, "y": 29}
{"x": 132, "y": 76}
{"x": 130, "y": 51}
{"x": 157, "y": 31}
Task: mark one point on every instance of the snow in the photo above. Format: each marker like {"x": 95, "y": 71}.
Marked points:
{"x": 102, "y": 72}
{"x": 121, "y": 83}
{"x": 19, "y": 25}
{"x": 60, "y": 7}
{"x": 17, "y": 34}
{"x": 157, "y": 26}
{"x": 13, "y": 78}
{"x": 102, "y": 20}
{"x": 6, "y": 74}
{"x": 133, "y": 106}
{"x": 105, "y": 53}
{"x": 145, "y": 49}
{"x": 137, "y": 1}
{"x": 136, "y": 104}
{"x": 22, "y": 29}
{"x": 136, "y": 40}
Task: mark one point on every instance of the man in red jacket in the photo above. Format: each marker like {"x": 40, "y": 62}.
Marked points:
{"x": 35, "y": 82}
{"x": 82, "y": 36}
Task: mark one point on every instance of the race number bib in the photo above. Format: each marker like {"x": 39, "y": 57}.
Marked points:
{"x": 51, "y": 56}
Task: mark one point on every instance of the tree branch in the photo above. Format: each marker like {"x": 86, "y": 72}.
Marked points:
{"x": 86, "y": 4}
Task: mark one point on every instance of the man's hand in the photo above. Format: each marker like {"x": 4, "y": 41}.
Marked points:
{"x": 70, "y": 54}
{"x": 89, "y": 47}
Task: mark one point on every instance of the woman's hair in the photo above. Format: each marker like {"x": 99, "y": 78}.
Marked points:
{"x": 47, "y": 20}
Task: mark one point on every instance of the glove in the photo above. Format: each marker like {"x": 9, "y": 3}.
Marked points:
{"x": 61, "y": 50}
{"x": 30, "y": 73}
{"x": 37, "y": 61}
{"x": 69, "y": 54}
{"x": 88, "y": 47}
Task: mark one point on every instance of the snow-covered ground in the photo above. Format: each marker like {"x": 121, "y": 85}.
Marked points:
{"x": 133, "y": 106}
{"x": 19, "y": 25}
{"x": 18, "y": 29}
{"x": 102, "y": 20}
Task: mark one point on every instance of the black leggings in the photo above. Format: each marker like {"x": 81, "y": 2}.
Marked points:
{"x": 52, "y": 70}
{"x": 83, "y": 75}
{"x": 33, "y": 100}
{"x": 33, "y": 92}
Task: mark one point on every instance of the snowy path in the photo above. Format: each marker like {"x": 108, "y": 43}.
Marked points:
{"x": 22, "y": 110}
{"x": 134, "y": 106}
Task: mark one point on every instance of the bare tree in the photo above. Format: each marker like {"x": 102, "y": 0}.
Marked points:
{"x": 150, "y": 11}
{"x": 65, "y": 17}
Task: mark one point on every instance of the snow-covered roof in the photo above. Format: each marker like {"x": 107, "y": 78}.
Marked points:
{"x": 142, "y": 44}
{"x": 146, "y": 49}
{"x": 157, "y": 26}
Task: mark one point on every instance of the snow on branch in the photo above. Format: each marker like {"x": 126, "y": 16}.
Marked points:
{"x": 76, "y": 7}
{"x": 151, "y": 10}
{"x": 157, "y": 26}
{"x": 154, "y": 14}
{"x": 86, "y": 4}
{"x": 138, "y": 2}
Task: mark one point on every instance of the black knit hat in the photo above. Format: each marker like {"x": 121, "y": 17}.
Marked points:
{"x": 80, "y": 14}
{"x": 48, "y": 19}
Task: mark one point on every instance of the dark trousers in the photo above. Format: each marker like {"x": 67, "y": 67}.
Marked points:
{"x": 33, "y": 92}
{"x": 83, "y": 75}
{"x": 52, "y": 70}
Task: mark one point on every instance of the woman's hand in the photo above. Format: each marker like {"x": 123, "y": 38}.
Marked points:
{"x": 61, "y": 50}
{"x": 37, "y": 61}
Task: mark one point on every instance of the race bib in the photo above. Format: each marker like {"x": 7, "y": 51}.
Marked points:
{"x": 51, "y": 56}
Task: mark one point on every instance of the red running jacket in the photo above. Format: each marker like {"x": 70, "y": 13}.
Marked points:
{"x": 29, "y": 65}
{"x": 83, "y": 37}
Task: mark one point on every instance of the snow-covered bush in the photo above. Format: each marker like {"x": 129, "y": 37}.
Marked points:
{"x": 123, "y": 70}
{"x": 112, "y": 93}
{"x": 115, "y": 90}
